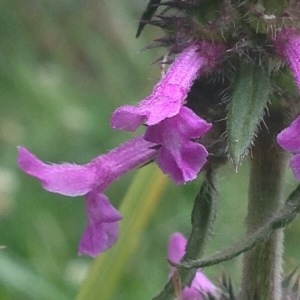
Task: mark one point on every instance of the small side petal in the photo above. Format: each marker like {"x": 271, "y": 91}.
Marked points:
{"x": 66, "y": 179}
{"x": 165, "y": 102}
{"x": 203, "y": 284}
{"x": 201, "y": 287}
{"x": 194, "y": 293}
{"x": 192, "y": 125}
{"x": 180, "y": 156}
{"x": 128, "y": 118}
{"x": 102, "y": 229}
{"x": 182, "y": 164}
{"x": 99, "y": 209}
{"x": 177, "y": 244}
{"x": 190, "y": 293}
{"x": 99, "y": 238}
{"x": 287, "y": 44}
{"x": 289, "y": 138}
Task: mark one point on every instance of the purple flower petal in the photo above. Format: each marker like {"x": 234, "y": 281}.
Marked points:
{"x": 176, "y": 248}
{"x": 66, "y": 179}
{"x": 183, "y": 164}
{"x": 164, "y": 102}
{"x": 200, "y": 285}
{"x": 179, "y": 156}
{"x": 200, "y": 288}
{"x": 102, "y": 229}
{"x": 287, "y": 44}
{"x": 169, "y": 94}
{"x": 203, "y": 284}
{"x": 289, "y": 138}
{"x": 190, "y": 293}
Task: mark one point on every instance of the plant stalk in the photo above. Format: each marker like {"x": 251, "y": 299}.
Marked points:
{"x": 202, "y": 219}
{"x": 262, "y": 266}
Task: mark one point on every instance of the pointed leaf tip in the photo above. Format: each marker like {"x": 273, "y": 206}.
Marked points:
{"x": 147, "y": 15}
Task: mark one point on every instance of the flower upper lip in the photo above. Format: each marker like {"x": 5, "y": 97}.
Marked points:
{"x": 169, "y": 94}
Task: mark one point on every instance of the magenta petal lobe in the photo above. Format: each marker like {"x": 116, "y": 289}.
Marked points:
{"x": 200, "y": 285}
{"x": 190, "y": 293}
{"x": 177, "y": 244}
{"x": 289, "y": 138}
{"x": 185, "y": 164}
{"x": 287, "y": 43}
{"x": 102, "y": 230}
{"x": 179, "y": 155}
{"x": 163, "y": 103}
{"x": 128, "y": 118}
{"x": 98, "y": 238}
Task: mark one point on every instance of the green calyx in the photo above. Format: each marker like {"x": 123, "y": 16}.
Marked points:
{"x": 228, "y": 20}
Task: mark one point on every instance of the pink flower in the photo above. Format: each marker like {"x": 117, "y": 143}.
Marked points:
{"x": 201, "y": 286}
{"x": 180, "y": 155}
{"x": 91, "y": 180}
{"x": 289, "y": 139}
{"x": 287, "y": 44}
{"x": 169, "y": 123}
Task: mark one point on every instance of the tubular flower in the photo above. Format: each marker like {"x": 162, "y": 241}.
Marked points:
{"x": 289, "y": 139}
{"x": 170, "y": 92}
{"x": 170, "y": 124}
{"x": 91, "y": 180}
{"x": 201, "y": 287}
{"x": 287, "y": 44}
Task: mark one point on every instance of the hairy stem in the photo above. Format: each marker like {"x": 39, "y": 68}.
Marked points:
{"x": 262, "y": 265}
{"x": 202, "y": 219}
{"x": 286, "y": 215}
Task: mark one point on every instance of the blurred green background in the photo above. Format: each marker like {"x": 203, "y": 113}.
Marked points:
{"x": 65, "y": 65}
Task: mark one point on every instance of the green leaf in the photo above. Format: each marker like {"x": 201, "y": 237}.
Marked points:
{"x": 246, "y": 108}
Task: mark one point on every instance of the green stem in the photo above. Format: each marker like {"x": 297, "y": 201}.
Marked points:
{"x": 262, "y": 265}
{"x": 285, "y": 216}
{"x": 203, "y": 216}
